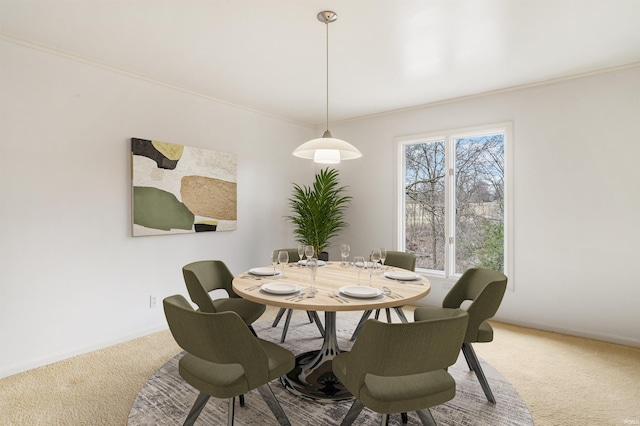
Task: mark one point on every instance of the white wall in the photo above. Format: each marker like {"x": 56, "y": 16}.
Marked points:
{"x": 577, "y": 197}
{"x": 72, "y": 278}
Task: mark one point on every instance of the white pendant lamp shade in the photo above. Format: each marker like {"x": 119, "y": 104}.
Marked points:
{"x": 327, "y": 149}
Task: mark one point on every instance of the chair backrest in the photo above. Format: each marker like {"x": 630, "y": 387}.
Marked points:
{"x": 221, "y": 338}
{"x": 485, "y": 288}
{"x": 398, "y": 349}
{"x": 205, "y": 276}
{"x": 401, "y": 259}
{"x": 293, "y": 254}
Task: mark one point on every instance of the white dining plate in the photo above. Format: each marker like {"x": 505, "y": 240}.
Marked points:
{"x": 265, "y": 272}
{"x": 402, "y": 275}
{"x": 320, "y": 262}
{"x": 361, "y": 292}
{"x": 280, "y": 288}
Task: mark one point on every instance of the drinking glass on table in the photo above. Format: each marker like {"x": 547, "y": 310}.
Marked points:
{"x": 344, "y": 252}
{"x": 300, "y": 251}
{"x": 358, "y": 262}
{"x": 283, "y": 257}
{"x": 371, "y": 266}
{"x": 383, "y": 256}
{"x": 375, "y": 257}
{"x": 308, "y": 251}
{"x": 312, "y": 267}
{"x": 274, "y": 260}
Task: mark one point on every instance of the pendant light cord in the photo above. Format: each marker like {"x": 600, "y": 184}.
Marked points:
{"x": 327, "y": 25}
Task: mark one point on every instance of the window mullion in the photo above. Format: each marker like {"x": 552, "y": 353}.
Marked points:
{"x": 401, "y": 197}
{"x": 450, "y": 198}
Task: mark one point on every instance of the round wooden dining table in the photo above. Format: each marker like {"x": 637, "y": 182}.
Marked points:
{"x": 313, "y": 376}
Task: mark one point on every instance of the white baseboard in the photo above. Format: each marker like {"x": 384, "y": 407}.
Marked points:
{"x": 19, "y": 368}
{"x": 609, "y": 338}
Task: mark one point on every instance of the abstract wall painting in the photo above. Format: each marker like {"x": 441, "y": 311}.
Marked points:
{"x": 180, "y": 189}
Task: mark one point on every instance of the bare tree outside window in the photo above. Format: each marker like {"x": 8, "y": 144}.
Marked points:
{"x": 476, "y": 182}
{"x": 425, "y": 172}
{"x": 479, "y": 189}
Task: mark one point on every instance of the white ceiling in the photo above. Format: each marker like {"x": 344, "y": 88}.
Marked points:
{"x": 385, "y": 55}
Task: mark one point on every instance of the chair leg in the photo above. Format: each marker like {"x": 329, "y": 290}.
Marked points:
{"x": 286, "y": 325}
{"x": 231, "y": 412}
{"x": 425, "y": 417}
{"x": 315, "y": 317}
{"x": 377, "y": 315}
{"x": 385, "y": 420}
{"x": 277, "y": 320}
{"x": 388, "y": 311}
{"x": 365, "y": 316}
{"x": 466, "y": 358}
{"x": 273, "y": 404}
{"x": 353, "y": 413}
{"x": 405, "y": 418}
{"x": 470, "y": 354}
{"x": 241, "y": 400}
{"x": 252, "y": 330}
{"x": 310, "y": 316}
{"x": 201, "y": 401}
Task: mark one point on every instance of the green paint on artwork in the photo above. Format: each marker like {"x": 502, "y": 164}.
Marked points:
{"x": 158, "y": 209}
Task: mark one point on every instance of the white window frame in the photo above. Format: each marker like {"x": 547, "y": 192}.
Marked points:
{"x": 449, "y": 136}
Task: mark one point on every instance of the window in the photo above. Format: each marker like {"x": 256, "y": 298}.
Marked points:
{"x": 453, "y": 204}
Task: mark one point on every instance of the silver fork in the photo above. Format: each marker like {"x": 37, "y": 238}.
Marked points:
{"x": 251, "y": 276}
{"x": 331, "y": 295}
{"x": 342, "y": 298}
{"x": 390, "y": 293}
{"x": 253, "y": 288}
{"x": 297, "y": 296}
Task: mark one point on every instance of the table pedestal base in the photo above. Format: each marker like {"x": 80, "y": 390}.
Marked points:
{"x": 313, "y": 377}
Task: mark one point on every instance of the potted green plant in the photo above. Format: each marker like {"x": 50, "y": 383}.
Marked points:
{"x": 318, "y": 211}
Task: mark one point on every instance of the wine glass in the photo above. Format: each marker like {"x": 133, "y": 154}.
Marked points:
{"x": 274, "y": 260}
{"x": 371, "y": 266}
{"x": 300, "y": 251}
{"x": 344, "y": 252}
{"x": 308, "y": 251}
{"x": 283, "y": 258}
{"x": 312, "y": 267}
{"x": 383, "y": 256}
{"x": 358, "y": 262}
{"x": 375, "y": 257}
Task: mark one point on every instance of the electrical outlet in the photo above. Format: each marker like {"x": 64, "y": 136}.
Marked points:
{"x": 153, "y": 301}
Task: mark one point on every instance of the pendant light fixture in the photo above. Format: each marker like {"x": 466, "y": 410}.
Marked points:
{"x": 327, "y": 149}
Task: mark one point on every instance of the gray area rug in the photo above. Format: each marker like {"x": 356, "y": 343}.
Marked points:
{"x": 166, "y": 399}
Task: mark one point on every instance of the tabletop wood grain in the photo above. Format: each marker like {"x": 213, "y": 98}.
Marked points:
{"x": 328, "y": 281}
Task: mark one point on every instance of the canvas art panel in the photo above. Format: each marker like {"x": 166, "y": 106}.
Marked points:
{"x": 181, "y": 189}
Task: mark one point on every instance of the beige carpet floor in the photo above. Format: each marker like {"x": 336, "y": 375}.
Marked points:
{"x": 564, "y": 380}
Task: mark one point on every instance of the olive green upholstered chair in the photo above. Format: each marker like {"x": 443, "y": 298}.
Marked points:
{"x": 312, "y": 315}
{"x": 205, "y": 276}
{"x": 485, "y": 289}
{"x": 399, "y": 259}
{"x": 402, "y": 367}
{"x": 223, "y": 359}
